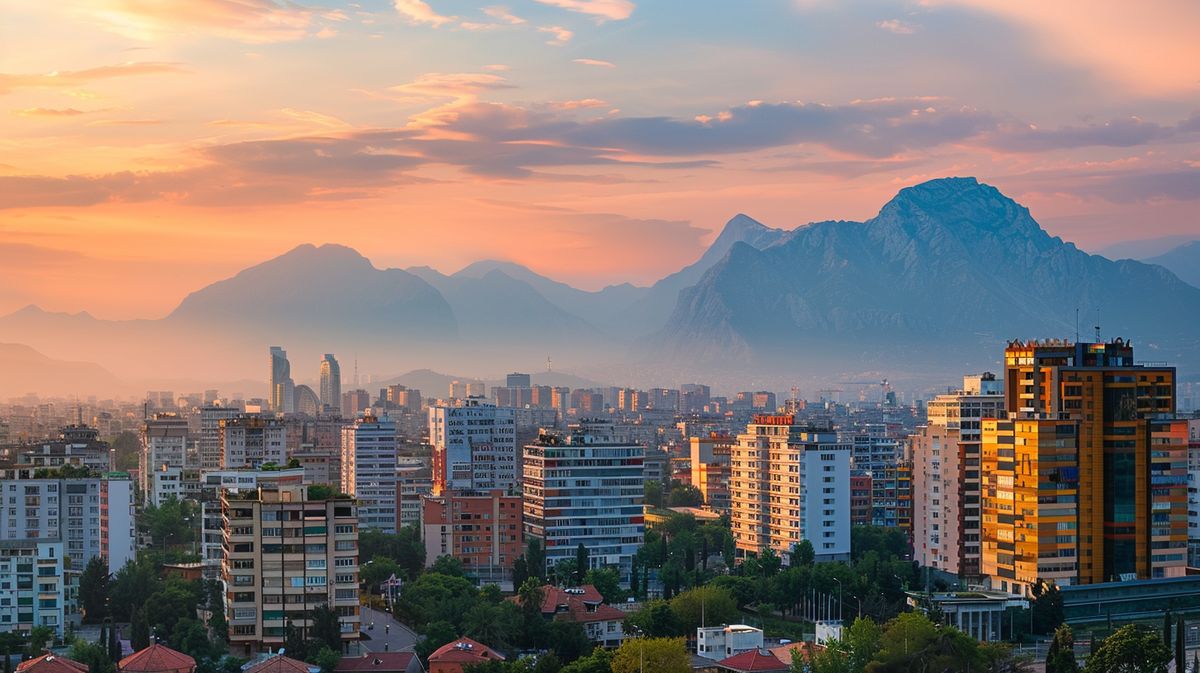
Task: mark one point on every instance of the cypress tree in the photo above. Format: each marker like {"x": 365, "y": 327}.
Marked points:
{"x": 1196, "y": 663}
{"x": 1180, "y": 647}
{"x": 1166, "y": 627}
{"x": 633, "y": 579}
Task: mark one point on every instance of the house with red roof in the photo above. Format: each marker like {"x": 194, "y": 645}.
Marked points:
{"x": 585, "y": 606}
{"x": 157, "y": 658}
{"x": 278, "y": 663}
{"x": 753, "y": 661}
{"x": 455, "y": 656}
{"x": 381, "y": 662}
{"x": 51, "y": 663}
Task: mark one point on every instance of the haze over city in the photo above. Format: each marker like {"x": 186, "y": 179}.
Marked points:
{"x": 599, "y": 336}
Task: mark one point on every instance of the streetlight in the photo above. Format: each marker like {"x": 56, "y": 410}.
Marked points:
{"x": 637, "y": 630}
{"x": 839, "y": 583}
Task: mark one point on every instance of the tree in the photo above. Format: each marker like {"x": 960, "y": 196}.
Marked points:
{"x": 707, "y": 604}
{"x": 326, "y": 658}
{"x": 326, "y": 631}
{"x": 607, "y": 582}
{"x": 39, "y": 638}
{"x": 436, "y": 634}
{"x": 1130, "y": 649}
{"x": 448, "y": 565}
{"x": 568, "y": 640}
{"x": 94, "y": 655}
{"x": 497, "y": 625}
{"x": 803, "y": 553}
{"x": 126, "y": 447}
{"x": 1167, "y": 627}
{"x": 769, "y": 562}
{"x": 599, "y": 661}
{"x": 661, "y": 655}
{"x": 684, "y": 495}
{"x": 1047, "y": 607}
{"x": 93, "y": 591}
{"x": 1060, "y": 658}
{"x": 520, "y": 571}
{"x": 132, "y": 587}
{"x": 654, "y": 620}
{"x": 654, "y": 493}
{"x": 862, "y": 642}
{"x": 377, "y": 571}
{"x": 114, "y": 644}
{"x": 535, "y": 559}
{"x": 1180, "y": 647}
{"x": 581, "y": 562}
{"x": 1195, "y": 663}
{"x": 634, "y": 585}
{"x": 293, "y": 641}
{"x": 139, "y": 630}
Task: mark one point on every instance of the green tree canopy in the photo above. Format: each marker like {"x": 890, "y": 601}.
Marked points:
{"x": 660, "y": 655}
{"x": 1130, "y": 649}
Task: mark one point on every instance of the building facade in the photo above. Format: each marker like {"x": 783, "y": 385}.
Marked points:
{"x": 250, "y": 440}
{"x": 710, "y": 469}
{"x": 281, "y": 388}
{"x": 163, "y": 458}
{"x": 790, "y": 482}
{"x": 369, "y": 471}
{"x": 484, "y": 531}
{"x": 474, "y": 446}
{"x": 585, "y": 487}
{"x": 331, "y": 382}
{"x": 284, "y": 556}
{"x": 32, "y": 588}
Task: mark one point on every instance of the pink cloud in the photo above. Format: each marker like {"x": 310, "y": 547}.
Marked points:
{"x": 610, "y": 10}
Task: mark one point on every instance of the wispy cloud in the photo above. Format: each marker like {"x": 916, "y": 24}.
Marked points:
{"x": 451, "y": 84}
{"x": 561, "y": 35}
{"x": 72, "y": 78}
{"x": 897, "y": 26}
{"x": 48, "y": 112}
{"x": 604, "y": 10}
{"x": 593, "y": 61}
{"x": 418, "y": 11}
{"x": 250, "y": 21}
{"x": 502, "y": 13}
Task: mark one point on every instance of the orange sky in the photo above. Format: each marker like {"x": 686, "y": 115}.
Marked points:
{"x": 148, "y": 148}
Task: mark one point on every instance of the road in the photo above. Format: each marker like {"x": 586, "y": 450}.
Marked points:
{"x": 387, "y": 631}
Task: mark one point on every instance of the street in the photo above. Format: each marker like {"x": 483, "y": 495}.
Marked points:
{"x": 387, "y": 631}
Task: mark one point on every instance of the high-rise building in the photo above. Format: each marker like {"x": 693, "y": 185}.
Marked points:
{"x": 483, "y": 530}
{"x": 355, "y": 402}
{"x": 710, "y": 469}
{"x": 790, "y": 482}
{"x": 694, "y": 396}
{"x": 369, "y": 470}
{"x": 474, "y": 446}
{"x": 287, "y": 554}
{"x": 33, "y": 592}
{"x": 163, "y": 457}
{"x": 210, "y": 434}
{"x": 250, "y": 440}
{"x": 517, "y": 380}
{"x": 585, "y": 487}
{"x": 306, "y": 401}
{"x": 331, "y": 382}
{"x": 946, "y": 476}
{"x": 92, "y": 516}
{"x": 281, "y": 387}
{"x": 1085, "y": 480}
{"x": 213, "y": 483}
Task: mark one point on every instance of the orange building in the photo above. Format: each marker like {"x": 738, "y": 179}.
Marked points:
{"x": 483, "y": 530}
{"x": 710, "y": 469}
{"x": 1086, "y": 479}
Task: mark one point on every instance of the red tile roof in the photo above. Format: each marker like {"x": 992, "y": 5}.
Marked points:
{"x": 384, "y": 662}
{"x": 51, "y": 663}
{"x": 463, "y": 651}
{"x": 157, "y": 659}
{"x": 753, "y": 660}
{"x": 281, "y": 664}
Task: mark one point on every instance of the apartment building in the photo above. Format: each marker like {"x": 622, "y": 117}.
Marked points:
{"x": 368, "y": 470}
{"x": 474, "y": 446}
{"x": 483, "y": 530}
{"x": 250, "y": 440}
{"x": 32, "y": 585}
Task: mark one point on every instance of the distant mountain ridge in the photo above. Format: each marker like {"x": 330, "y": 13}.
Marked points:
{"x": 1183, "y": 261}
{"x": 931, "y": 286}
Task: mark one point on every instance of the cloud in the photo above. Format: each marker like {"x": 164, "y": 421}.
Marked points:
{"x": 126, "y": 122}
{"x": 603, "y": 10}
{"x": 592, "y": 61}
{"x": 896, "y": 26}
{"x": 48, "y": 112}
{"x": 561, "y": 35}
{"x": 1174, "y": 184}
{"x": 451, "y": 84}
{"x": 315, "y": 118}
{"x": 71, "y": 78}
{"x": 418, "y": 12}
{"x": 250, "y": 21}
{"x": 501, "y": 13}
{"x": 1125, "y": 132}
{"x": 496, "y": 67}
{"x": 577, "y": 104}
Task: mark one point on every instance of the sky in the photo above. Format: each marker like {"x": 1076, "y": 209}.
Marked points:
{"x": 149, "y": 148}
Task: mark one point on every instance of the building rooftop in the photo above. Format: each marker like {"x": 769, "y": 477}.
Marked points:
{"x": 753, "y": 660}
{"x": 51, "y": 663}
{"x": 384, "y": 662}
{"x": 157, "y": 659}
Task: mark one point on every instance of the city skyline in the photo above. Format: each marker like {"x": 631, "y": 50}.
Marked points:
{"x": 164, "y": 150}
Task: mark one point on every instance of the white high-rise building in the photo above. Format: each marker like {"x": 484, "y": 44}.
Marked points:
{"x": 946, "y": 481}
{"x": 586, "y": 486}
{"x": 369, "y": 471}
{"x": 331, "y": 382}
{"x": 210, "y": 434}
{"x": 474, "y": 446}
{"x": 33, "y": 589}
{"x": 788, "y": 483}
{"x": 92, "y": 516}
{"x": 281, "y": 387}
{"x": 163, "y": 457}
{"x": 249, "y": 440}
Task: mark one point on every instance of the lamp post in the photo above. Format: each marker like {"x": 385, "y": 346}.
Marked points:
{"x": 839, "y": 583}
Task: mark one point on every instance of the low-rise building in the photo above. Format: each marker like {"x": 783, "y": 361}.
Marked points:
{"x": 33, "y": 590}
{"x": 584, "y": 605}
{"x": 726, "y": 640}
{"x": 481, "y": 530}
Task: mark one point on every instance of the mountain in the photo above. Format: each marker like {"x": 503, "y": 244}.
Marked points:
{"x": 26, "y": 370}
{"x": 1143, "y": 248}
{"x": 941, "y": 277}
{"x": 650, "y": 311}
{"x": 1183, "y": 261}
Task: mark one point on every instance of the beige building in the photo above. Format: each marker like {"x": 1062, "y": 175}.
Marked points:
{"x": 946, "y": 478}
{"x": 286, "y": 555}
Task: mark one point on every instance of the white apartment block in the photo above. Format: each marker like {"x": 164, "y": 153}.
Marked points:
{"x": 250, "y": 440}
{"x": 789, "y": 483}
{"x": 210, "y": 434}
{"x": 585, "y": 486}
{"x": 369, "y": 471}
{"x": 474, "y": 446}
{"x": 91, "y": 516}
{"x": 32, "y": 586}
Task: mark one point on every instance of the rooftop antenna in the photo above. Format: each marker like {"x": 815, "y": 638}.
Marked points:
{"x": 1098, "y": 324}
{"x": 1076, "y": 324}
{"x": 356, "y": 370}
{"x": 549, "y": 364}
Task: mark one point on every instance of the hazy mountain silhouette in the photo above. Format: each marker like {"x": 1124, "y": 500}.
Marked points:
{"x": 943, "y": 275}
{"x": 26, "y": 370}
{"x": 1183, "y": 261}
